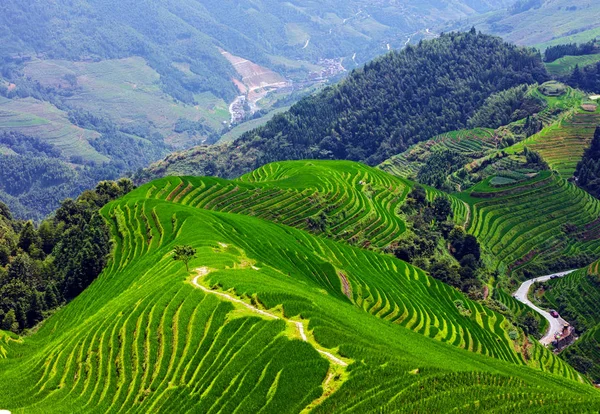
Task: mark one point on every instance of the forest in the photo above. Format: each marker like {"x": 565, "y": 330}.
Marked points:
{"x": 587, "y": 174}
{"x": 397, "y": 100}
{"x": 553, "y": 53}
{"x": 43, "y": 267}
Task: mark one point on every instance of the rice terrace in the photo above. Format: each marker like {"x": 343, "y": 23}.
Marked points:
{"x": 299, "y": 207}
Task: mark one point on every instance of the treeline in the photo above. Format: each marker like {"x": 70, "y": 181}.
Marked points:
{"x": 398, "y": 100}
{"x": 586, "y": 78}
{"x": 587, "y": 173}
{"x": 43, "y": 267}
{"x": 380, "y": 110}
{"x": 553, "y": 53}
{"x": 437, "y": 245}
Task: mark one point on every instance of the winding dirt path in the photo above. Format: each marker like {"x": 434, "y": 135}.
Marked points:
{"x": 203, "y": 271}
{"x": 556, "y": 324}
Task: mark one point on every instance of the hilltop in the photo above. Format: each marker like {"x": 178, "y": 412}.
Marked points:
{"x": 378, "y": 111}
{"x": 272, "y": 318}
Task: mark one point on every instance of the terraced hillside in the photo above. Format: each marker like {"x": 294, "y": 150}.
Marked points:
{"x": 576, "y": 298}
{"x": 320, "y": 324}
{"x": 545, "y": 221}
{"x": 562, "y": 145}
{"x": 473, "y": 143}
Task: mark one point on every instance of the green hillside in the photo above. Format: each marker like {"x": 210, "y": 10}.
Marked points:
{"x": 376, "y": 112}
{"x": 562, "y": 145}
{"x": 565, "y": 65}
{"x": 542, "y": 224}
{"x": 576, "y": 297}
{"x": 318, "y": 323}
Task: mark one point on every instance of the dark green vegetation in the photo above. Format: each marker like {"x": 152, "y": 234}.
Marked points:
{"x": 587, "y": 173}
{"x": 587, "y": 77}
{"x": 553, "y": 53}
{"x": 382, "y": 317}
{"x": 42, "y": 268}
{"x": 378, "y": 111}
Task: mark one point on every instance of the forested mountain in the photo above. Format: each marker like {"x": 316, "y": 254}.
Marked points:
{"x": 114, "y": 85}
{"x": 381, "y": 109}
{"x": 164, "y": 32}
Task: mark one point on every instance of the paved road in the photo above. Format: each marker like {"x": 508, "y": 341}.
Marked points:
{"x": 556, "y": 324}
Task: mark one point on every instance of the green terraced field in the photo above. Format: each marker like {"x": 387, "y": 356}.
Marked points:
{"x": 562, "y": 144}
{"x": 524, "y": 223}
{"x": 474, "y": 143}
{"x": 46, "y": 122}
{"x": 565, "y": 65}
{"x": 128, "y": 92}
{"x": 576, "y": 297}
{"x": 143, "y": 338}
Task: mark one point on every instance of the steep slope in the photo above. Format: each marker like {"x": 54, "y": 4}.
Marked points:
{"x": 541, "y": 224}
{"x": 146, "y": 337}
{"x": 378, "y": 111}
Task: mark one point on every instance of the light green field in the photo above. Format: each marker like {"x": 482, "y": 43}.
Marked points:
{"x": 48, "y": 123}
{"x": 562, "y": 144}
{"x": 565, "y": 65}
{"x": 581, "y": 37}
{"x": 128, "y": 92}
{"x": 143, "y": 338}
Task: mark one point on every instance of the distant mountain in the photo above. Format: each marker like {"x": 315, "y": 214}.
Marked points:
{"x": 379, "y": 110}
{"x": 189, "y": 31}
{"x": 539, "y": 22}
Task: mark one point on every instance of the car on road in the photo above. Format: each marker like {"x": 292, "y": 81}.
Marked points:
{"x": 554, "y": 313}
{"x": 554, "y": 277}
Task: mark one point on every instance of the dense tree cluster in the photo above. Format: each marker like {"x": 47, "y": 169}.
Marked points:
{"x": 553, "y": 53}
{"x": 42, "y": 268}
{"x": 586, "y": 78}
{"x": 439, "y": 166}
{"x": 380, "y": 110}
{"x": 505, "y": 107}
{"x": 587, "y": 173}
{"x": 437, "y": 245}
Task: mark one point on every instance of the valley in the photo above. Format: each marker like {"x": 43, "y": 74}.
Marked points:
{"x": 299, "y": 207}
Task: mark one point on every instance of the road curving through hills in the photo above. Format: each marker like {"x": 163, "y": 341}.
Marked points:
{"x": 203, "y": 271}
{"x": 556, "y": 324}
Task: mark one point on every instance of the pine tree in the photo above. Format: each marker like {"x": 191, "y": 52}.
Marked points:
{"x": 10, "y": 322}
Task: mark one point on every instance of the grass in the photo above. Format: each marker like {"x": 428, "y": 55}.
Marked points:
{"x": 565, "y": 65}
{"x": 141, "y": 338}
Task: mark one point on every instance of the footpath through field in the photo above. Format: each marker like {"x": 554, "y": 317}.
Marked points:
{"x": 203, "y": 271}
{"x": 556, "y": 324}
